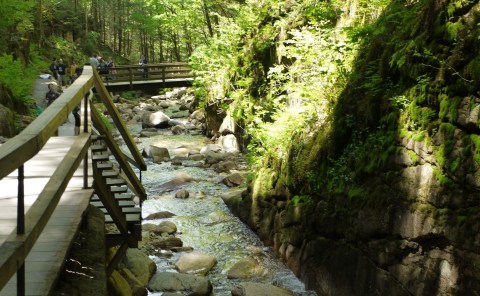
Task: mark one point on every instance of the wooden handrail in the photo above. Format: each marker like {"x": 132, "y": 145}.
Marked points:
{"x": 30, "y": 141}
{"x": 18, "y": 150}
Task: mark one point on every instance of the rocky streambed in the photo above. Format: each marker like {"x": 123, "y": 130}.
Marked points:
{"x": 194, "y": 244}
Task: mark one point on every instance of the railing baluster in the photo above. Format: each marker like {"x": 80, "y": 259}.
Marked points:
{"x": 85, "y": 130}
{"x": 21, "y": 227}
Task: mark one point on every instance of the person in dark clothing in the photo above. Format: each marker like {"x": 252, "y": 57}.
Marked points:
{"x": 143, "y": 62}
{"x": 76, "y": 115}
{"x": 53, "y": 68}
{"x": 62, "y": 72}
{"x": 51, "y": 95}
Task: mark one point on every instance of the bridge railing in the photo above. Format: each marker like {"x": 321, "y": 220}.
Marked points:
{"x": 163, "y": 72}
{"x": 20, "y": 149}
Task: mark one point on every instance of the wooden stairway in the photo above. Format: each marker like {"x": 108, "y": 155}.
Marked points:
{"x": 114, "y": 198}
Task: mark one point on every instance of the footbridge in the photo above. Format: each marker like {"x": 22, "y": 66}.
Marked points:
{"x": 48, "y": 178}
{"x": 148, "y": 77}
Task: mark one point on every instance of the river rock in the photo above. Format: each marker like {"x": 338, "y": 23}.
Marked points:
{"x": 160, "y": 215}
{"x": 211, "y": 148}
{"x": 153, "y": 151}
{"x": 165, "y": 227}
{"x": 7, "y": 122}
{"x": 198, "y": 115}
{"x": 118, "y": 285}
{"x": 141, "y": 266}
{"x": 246, "y": 268}
{"x": 227, "y": 126}
{"x": 181, "y": 151}
{"x": 195, "y": 263}
{"x": 196, "y": 157}
{"x": 166, "y": 242}
{"x": 257, "y": 289}
{"x": 135, "y": 285}
{"x": 180, "y": 282}
{"x": 178, "y": 129}
{"x": 179, "y": 179}
{"x": 182, "y": 194}
{"x": 229, "y": 143}
{"x": 224, "y": 166}
{"x": 157, "y": 119}
{"x": 233, "y": 180}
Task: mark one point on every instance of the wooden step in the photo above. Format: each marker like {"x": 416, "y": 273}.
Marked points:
{"x": 121, "y": 203}
{"x": 115, "y": 182}
{"x": 129, "y": 210}
{"x": 98, "y": 137}
{"x": 109, "y": 174}
{"x": 105, "y": 166}
{"x": 118, "y": 189}
{"x": 100, "y": 157}
{"x": 131, "y": 218}
{"x": 118, "y": 196}
{"x": 98, "y": 148}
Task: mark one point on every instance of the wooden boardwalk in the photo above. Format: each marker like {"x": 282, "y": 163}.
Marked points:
{"x": 113, "y": 85}
{"x": 47, "y": 256}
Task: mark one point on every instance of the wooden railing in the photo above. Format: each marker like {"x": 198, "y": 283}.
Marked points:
{"x": 148, "y": 72}
{"x": 18, "y": 150}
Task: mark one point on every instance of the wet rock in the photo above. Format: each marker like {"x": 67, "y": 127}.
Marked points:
{"x": 118, "y": 285}
{"x": 181, "y": 249}
{"x": 136, "y": 286}
{"x": 195, "y": 263}
{"x": 179, "y": 179}
{"x": 224, "y": 166}
{"x": 180, "y": 282}
{"x": 157, "y": 119}
{"x": 176, "y": 161}
{"x": 166, "y": 242}
{"x": 227, "y": 126}
{"x": 196, "y": 157}
{"x": 153, "y": 151}
{"x": 198, "y": 115}
{"x": 233, "y": 180}
{"x": 182, "y": 194}
{"x": 160, "y": 215}
{"x": 148, "y": 134}
{"x": 178, "y": 129}
{"x": 211, "y": 148}
{"x": 165, "y": 227}
{"x": 246, "y": 268}
{"x": 141, "y": 266}
{"x": 181, "y": 151}
{"x": 7, "y": 122}
{"x": 229, "y": 143}
{"x": 257, "y": 289}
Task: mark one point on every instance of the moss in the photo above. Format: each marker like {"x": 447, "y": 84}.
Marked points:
{"x": 453, "y": 29}
{"x": 475, "y": 139}
{"x": 413, "y": 156}
{"x": 442, "y": 179}
{"x": 449, "y": 108}
{"x": 461, "y": 219}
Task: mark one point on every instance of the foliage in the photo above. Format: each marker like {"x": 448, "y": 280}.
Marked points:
{"x": 19, "y": 80}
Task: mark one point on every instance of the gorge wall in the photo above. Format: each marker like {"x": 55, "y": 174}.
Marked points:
{"x": 381, "y": 198}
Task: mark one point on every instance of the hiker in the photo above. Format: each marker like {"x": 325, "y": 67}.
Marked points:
{"x": 62, "y": 72}
{"x": 51, "y": 95}
{"x": 76, "y": 115}
{"x": 53, "y": 69}
{"x": 143, "y": 62}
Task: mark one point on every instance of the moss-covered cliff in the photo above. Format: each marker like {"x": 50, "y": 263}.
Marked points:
{"x": 363, "y": 124}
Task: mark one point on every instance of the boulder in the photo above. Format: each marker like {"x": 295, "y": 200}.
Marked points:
{"x": 224, "y": 166}
{"x": 118, "y": 285}
{"x": 155, "y": 152}
{"x": 229, "y": 143}
{"x": 227, "y": 126}
{"x": 197, "y": 115}
{"x": 160, "y": 215}
{"x": 157, "y": 119}
{"x": 468, "y": 113}
{"x": 166, "y": 242}
{"x": 7, "y": 122}
{"x": 178, "y": 129}
{"x": 182, "y": 194}
{"x": 178, "y": 282}
{"x": 165, "y": 227}
{"x": 257, "y": 289}
{"x": 141, "y": 266}
{"x": 195, "y": 263}
{"x": 246, "y": 268}
{"x": 211, "y": 148}
{"x": 233, "y": 180}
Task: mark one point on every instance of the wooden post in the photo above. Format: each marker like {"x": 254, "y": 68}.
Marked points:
{"x": 130, "y": 72}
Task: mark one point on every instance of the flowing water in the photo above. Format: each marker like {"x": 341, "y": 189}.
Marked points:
{"x": 203, "y": 220}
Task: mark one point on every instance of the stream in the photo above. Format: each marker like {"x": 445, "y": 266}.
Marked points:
{"x": 203, "y": 220}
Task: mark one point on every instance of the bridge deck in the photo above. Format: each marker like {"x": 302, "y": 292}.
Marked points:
{"x": 48, "y": 254}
